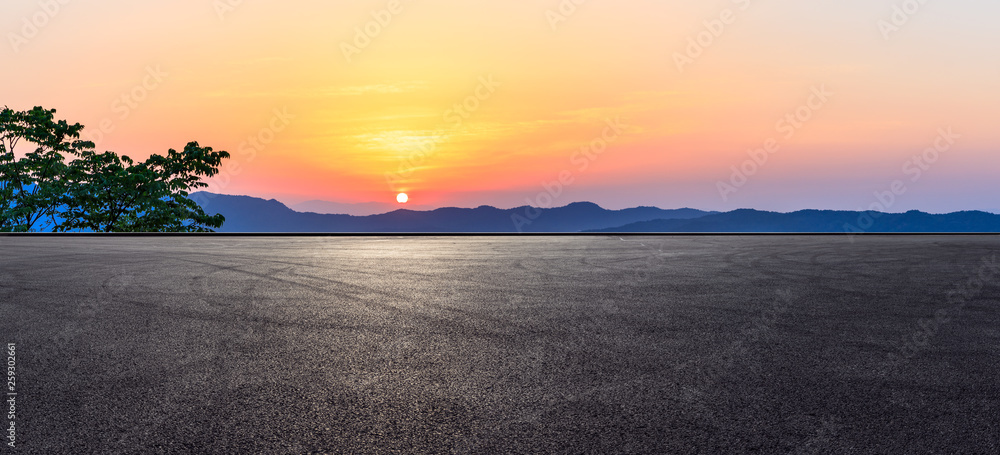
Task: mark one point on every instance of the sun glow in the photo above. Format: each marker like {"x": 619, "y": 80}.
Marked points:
{"x": 473, "y": 103}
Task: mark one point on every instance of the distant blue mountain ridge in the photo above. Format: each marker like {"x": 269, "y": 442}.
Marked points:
{"x": 250, "y": 214}
{"x": 255, "y": 215}
{"x": 821, "y": 221}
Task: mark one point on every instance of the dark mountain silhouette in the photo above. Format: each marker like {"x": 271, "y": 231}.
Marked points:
{"x": 360, "y": 209}
{"x": 823, "y": 221}
{"x": 250, "y": 214}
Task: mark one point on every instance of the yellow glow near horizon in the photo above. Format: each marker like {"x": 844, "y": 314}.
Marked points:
{"x": 473, "y": 103}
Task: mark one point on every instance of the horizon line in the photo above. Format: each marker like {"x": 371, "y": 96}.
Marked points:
{"x": 710, "y": 212}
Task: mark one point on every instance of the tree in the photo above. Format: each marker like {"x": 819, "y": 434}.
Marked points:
{"x": 108, "y": 193}
{"x": 101, "y": 192}
{"x": 30, "y": 186}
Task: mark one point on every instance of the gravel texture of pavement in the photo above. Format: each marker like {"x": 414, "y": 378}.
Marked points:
{"x": 480, "y": 344}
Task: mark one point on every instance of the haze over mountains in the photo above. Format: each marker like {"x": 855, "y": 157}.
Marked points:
{"x": 821, "y": 221}
{"x": 360, "y": 209}
{"x": 251, "y": 214}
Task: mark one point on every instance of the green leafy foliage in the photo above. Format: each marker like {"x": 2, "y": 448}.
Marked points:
{"x": 30, "y": 186}
{"x": 64, "y": 185}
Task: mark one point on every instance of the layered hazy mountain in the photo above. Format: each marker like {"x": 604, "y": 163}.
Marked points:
{"x": 821, "y": 221}
{"x": 251, "y": 214}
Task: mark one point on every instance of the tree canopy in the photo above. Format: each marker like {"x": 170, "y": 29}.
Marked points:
{"x": 65, "y": 185}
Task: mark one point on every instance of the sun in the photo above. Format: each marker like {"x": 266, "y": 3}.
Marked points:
{"x": 402, "y": 198}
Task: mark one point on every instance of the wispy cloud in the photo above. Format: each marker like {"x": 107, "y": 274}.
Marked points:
{"x": 326, "y": 92}
{"x": 378, "y": 89}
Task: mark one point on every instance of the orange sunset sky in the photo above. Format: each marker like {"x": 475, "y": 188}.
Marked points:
{"x": 489, "y": 102}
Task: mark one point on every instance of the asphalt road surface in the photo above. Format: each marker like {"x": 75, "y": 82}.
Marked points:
{"x": 755, "y": 344}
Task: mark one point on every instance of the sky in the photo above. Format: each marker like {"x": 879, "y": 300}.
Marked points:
{"x": 717, "y": 105}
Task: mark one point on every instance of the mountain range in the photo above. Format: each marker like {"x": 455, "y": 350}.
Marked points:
{"x": 254, "y": 215}
{"x": 820, "y": 221}
{"x": 250, "y": 214}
